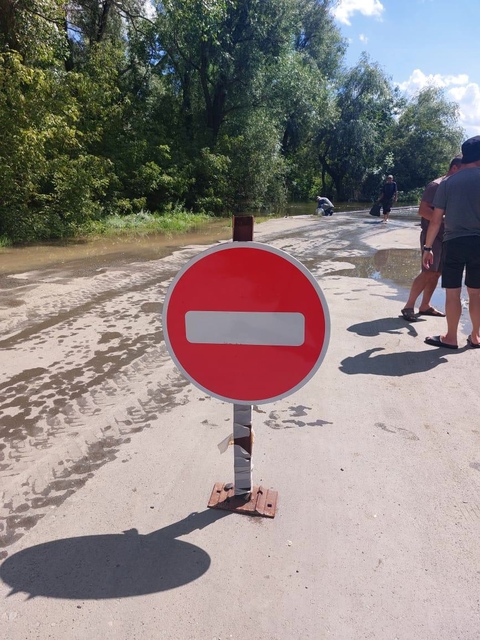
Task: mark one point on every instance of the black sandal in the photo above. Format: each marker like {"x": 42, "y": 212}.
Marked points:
{"x": 409, "y": 314}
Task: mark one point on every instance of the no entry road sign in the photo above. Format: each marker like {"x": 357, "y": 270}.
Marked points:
{"x": 246, "y": 323}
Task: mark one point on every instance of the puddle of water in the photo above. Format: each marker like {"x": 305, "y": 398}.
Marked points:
{"x": 399, "y": 266}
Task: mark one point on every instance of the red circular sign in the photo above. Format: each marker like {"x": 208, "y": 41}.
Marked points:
{"x": 246, "y": 323}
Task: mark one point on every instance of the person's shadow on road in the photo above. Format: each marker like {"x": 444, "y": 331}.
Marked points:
{"x": 111, "y": 566}
{"x": 403, "y": 363}
{"x": 384, "y": 325}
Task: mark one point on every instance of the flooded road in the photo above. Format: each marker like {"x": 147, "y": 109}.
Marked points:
{"x": 83, "y": 361}
{"x": 107, "y": 251}
{"x": 108, "y": 456}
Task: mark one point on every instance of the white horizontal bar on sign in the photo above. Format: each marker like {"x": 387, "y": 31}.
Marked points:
{"x": 245, "y": 327}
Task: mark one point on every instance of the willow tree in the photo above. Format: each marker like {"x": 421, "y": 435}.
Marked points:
{"x": 354, "y": 143}
{"x": 425, "y": 138}
{"x": 249, "y": 75}
{"x": 214, "y": 50}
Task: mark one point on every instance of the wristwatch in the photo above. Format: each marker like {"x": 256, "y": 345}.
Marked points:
{"x": 427, "y": 248}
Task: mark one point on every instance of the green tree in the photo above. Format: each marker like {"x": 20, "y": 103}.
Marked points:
{"x": 353, "y": 144}
{"x": 317, "y": 36}
{"x": 35, "y": 29}
{"x": 426, "y": 137}
{"x": 236, "y": 63}
{"x": 50, "y": 183}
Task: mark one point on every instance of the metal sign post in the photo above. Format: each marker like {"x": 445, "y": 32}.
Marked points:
{"x": 242, "y": 414}
{"x": 241, "y": 497}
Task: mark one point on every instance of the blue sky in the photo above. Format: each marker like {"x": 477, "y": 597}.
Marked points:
{"x": 420, "y": 42}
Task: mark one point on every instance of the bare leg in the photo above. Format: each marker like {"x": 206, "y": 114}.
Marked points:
{"x": 453, "y": 310}
{"x": 416, "y": 289}
{"x": 474, "y": 309}
{"x": 430, "y": 286}
{"x": 426, "y": 281}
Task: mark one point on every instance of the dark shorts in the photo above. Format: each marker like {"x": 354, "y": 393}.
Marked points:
{"x": 461, "y": 254}
{"x": 437, "y": 251}
{"x": 386, "y": 206}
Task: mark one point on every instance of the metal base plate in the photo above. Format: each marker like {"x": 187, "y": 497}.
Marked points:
{"x": 260, "y": 502}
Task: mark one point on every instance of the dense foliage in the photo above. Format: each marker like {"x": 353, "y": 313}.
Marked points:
{"x": 116, "y": 107}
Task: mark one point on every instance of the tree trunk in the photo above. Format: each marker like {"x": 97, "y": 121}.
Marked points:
{"x": 217, "y": 111}
{"x": 8, "y": 25}
{"x": 214, "y": 100}
{"x": 103, "y": 20}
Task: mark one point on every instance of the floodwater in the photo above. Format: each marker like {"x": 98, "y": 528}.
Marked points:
{"x": 105, "y": 252}
{"x": 109, "y": 251}
{"x": 85, "y": 257}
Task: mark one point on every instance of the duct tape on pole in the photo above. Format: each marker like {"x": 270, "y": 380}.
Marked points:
{"x": 246, "y": 323}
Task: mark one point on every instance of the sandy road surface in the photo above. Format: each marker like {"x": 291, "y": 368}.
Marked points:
{"x": 108, "y": 457}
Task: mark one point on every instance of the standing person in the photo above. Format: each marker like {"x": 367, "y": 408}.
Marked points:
{"x": 458, "y": 199}
{"x": 427, "y": 279}
{"x": 388, "y": 197}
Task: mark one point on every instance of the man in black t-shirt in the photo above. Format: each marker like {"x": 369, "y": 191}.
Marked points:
{"x": 388, "y": 197}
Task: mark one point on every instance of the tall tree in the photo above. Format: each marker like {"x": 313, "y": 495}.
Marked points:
{"x": 426, "y": 137}
{"x": 354, "y": 143}
{"x": 213, "y": 51}
{"x": 33, "y": 28}
{"x": 318, "y": 37}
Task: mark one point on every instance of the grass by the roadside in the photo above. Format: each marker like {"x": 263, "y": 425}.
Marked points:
{"x": 145, "y": 223}
{"x": 170, "y": 223}
{"x": 175, "y": 221}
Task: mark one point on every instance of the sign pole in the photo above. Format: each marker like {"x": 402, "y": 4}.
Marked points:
{"x": 242, "y": 497}
{"x": 242, "y": 414}
{"x": 242, "y": 449}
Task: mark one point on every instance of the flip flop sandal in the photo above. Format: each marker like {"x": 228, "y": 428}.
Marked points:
{"x": 431, "y": 311}
{"x": 471, "y": 344}
{"x": 409, "y": 315}
{"x": 435, "y": 341}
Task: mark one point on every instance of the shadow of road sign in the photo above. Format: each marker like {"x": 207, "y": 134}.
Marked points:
{"x": 110, "y": 566}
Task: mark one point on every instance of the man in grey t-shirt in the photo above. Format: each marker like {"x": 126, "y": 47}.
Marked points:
{"x": 458, "y": 199}
{"x": 427, "y": 279}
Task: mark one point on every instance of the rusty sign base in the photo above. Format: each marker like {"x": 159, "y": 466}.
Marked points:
{"x": 260, "y": 502}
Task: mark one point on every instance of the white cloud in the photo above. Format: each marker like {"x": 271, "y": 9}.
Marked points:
{"x": 346, "y": 8}
{"x": 468, "y": 99}
{"x": 363, "y": 38}
{"x": 457, "y": 88}
{"x": 418, "y": 80}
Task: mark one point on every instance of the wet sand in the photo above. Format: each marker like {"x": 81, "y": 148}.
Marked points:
{"x": 108, "y": 457}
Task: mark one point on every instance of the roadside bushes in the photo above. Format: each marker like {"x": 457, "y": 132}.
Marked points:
{"x": 49, "y": 183}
